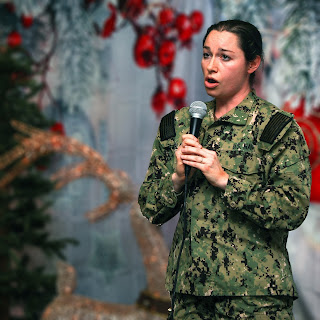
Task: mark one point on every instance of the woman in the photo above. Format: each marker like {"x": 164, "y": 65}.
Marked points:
{"x": 249, "y": 185}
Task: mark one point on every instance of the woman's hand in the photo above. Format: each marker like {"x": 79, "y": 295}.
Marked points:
{"x": 178, "y": 178}
{"x": 193, "y": 154}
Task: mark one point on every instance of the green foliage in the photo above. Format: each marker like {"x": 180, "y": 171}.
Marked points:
{"x": 24, "y": 204}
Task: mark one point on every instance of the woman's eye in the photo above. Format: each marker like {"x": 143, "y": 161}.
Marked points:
{"x": 225, "y": 57}
{"x": 206, "y": 55}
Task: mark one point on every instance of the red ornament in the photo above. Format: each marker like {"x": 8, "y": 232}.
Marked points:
{"x": 196, "y": 19}
{"x": 59, "y": 128}
{"x": 26, "y": 21}
{"x": 315, "y": 185}
{"x": 310, "y": 125}
{"x": 167, "y": 52}
{"x": 14, "y": 39}
{"x": 158, "y": 101}
{"x": 184, "y": 27}
{"x": 177, "y": 89}
{"x": 110, "y": 24}
{"x": 309, "y": 128}
{"x": 166, "y": 16}
{"x": 144, "y": 51}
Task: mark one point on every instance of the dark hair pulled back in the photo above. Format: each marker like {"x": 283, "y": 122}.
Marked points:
{"x": 250, "y": 40}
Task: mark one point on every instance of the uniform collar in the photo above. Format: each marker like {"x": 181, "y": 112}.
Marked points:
{"x": 238, "y": 115}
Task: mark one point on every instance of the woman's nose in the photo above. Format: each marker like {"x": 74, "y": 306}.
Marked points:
{"x": 212, "y": 65}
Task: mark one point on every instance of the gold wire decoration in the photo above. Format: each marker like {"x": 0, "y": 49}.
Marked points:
{"x": 153, "y": 301}
{"x": 35, "y": 143}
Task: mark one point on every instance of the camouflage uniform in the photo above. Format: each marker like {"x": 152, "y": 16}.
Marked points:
{"x": 236, "y": 243}
{"x": 189, "y": 307}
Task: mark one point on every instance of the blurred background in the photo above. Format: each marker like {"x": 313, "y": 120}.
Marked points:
{"x": 83, "y": 86}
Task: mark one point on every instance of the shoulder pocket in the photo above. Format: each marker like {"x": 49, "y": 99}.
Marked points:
{"x": 275, "y": 129}
{"x": 167, "y": 129}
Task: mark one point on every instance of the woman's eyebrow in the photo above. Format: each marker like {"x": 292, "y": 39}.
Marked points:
{"x": 225, "y": 50}
{"x": 220, "y": 49}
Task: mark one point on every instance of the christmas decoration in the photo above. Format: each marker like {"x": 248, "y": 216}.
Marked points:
{"x": 310, "y": 125}
{"x": 184, "y": 27}
{"x": 26, "y": 286}
{"x": 166, "y": 16}
{"x": 14, "y": 39}
{"x": 152, "y": 303}
{"x": 160, "y": 30}
{"x": 176, "y": 92}
{"x": 110, "y": 23}
{"x": 196, "y": 20}
{"x": 159, "y": 99}
{"x": 166, "y": 52}
{"x": 40, "y": 143}
{"x": 58, "y": 127}
{"x": 26, "y": 21}
{"x": 144, "y": 51}
{"x": 156, "y": 46}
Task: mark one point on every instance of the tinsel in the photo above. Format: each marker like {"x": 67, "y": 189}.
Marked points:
{"x": 39, "y": 143}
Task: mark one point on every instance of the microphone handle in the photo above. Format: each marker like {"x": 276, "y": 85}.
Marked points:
{"x": 195, "y": 125}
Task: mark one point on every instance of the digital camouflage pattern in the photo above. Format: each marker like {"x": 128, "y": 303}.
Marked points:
{"x": 236, "y": 243}
{"x": 189, "y": 307}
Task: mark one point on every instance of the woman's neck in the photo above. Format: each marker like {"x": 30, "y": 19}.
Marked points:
{"x": 223, "y": 106}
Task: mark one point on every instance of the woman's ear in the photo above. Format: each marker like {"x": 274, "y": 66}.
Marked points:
{"x": 254, "y": 64}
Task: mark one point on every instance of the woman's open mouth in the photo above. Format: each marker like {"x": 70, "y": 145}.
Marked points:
{"x": 211, "y": 83}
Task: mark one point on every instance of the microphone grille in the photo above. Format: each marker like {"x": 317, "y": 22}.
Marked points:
{"x": 198, "y": 109}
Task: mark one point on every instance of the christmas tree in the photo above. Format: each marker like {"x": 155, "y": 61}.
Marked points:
{"x": 25, "y": 286}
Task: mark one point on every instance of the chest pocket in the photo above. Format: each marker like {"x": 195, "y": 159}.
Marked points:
{"x": 241, "y": 163}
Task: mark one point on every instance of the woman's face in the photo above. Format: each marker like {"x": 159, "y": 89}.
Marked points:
{"x": 225, "y": 69}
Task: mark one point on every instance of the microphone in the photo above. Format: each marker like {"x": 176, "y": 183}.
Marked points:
{"x": 197, "y": 110}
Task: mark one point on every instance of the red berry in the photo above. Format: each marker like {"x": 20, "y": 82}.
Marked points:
{"x": 144, "y": 51}
{"x": 58, "y": 128}
{"x": 14, "y": 39}
{"x": 158, "y": 102}
{"x": 26, "y": 21}
{"x": 166, "y": 16}
{"x": 196, "y": 19}
{"x": 184, "y": 27}
{"x": 166, "y": 52}
{"x": 177, "y": 89}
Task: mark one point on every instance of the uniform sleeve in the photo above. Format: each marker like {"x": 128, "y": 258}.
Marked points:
{"x": 281, "y": 202}
{"x": 157, "y": 199}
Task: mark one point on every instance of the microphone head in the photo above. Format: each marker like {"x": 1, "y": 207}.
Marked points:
{"x": 198, "y": 109}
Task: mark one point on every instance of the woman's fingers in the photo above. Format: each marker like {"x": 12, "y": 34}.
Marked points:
{"x": 198, "y": 158}
{"x": 190, "y": 140}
